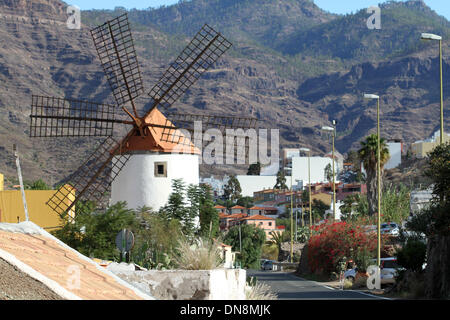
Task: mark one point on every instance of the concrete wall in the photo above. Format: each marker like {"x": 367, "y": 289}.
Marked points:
{"x": 218, "y": 284}
{"x": 138, "y": 186}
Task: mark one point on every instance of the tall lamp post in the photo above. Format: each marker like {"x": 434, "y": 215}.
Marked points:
{"x": 430, "y": 36}
{"x": 309, "y": 182}
{"x": 333, "y": 133}
{"x": 292, "y": 213}
{"x": 374, "y": 96}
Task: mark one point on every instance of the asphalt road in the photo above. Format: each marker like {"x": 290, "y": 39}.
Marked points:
{"x": 290, "y": 287}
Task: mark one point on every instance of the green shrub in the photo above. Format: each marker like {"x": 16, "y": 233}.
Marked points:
{"x": 412, "y": 255}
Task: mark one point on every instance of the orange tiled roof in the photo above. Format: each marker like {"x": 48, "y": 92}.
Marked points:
{"x": 263, "y": 208}
{"x": 219, "y": 207}
{"x": 238, "y": 207}
{"x": 258, "y": 217}
{"x": 48, "y": 260}
{"x": 161, "y": 139}
{"x": 238, "y": 215}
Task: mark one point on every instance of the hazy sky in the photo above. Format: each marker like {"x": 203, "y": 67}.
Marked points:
{"x": 442, "y": 7}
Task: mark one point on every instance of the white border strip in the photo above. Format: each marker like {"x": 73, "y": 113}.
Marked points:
{"x": 51, "y": 284}
{"x": 28, "y": 227}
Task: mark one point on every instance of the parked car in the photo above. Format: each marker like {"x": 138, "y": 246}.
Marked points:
{"x": 267, "y": 265}
{"x": 390, "y": 228}
{"x": 388, "y": 270}
{"x": 262, "y": 261}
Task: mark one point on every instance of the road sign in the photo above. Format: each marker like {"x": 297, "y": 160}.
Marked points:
{"x": 125, "y": 240}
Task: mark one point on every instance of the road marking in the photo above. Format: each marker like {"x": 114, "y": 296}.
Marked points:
{"x": 357, "y": 291}
{"x": 370, "y": 295}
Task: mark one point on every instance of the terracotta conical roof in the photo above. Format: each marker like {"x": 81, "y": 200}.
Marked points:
{"x": 160, "y": 139}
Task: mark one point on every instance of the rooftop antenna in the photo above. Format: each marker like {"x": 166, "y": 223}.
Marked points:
{"x": 19, "y": 173}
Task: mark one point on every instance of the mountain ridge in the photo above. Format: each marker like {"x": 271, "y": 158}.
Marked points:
{"x": 295, "y": 93}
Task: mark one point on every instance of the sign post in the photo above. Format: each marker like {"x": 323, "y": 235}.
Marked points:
{"x": 125, "y": 242}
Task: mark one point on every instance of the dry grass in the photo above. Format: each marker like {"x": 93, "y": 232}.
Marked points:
{"x": 201, "y": 255}
{"x": 348, "y": 284}
{"x": 260, "y": 291}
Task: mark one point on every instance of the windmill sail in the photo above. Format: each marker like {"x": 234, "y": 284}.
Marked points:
{"x": 92, "y": 180}
{"x": 117, "y": 54}
{"x": 56, "y": 117}
{"x": 203, "y": 50}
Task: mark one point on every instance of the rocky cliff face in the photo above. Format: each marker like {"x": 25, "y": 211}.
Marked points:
{"x": 40, "y": 55}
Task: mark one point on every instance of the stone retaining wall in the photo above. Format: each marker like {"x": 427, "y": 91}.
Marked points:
{"x": 218, "y": 284}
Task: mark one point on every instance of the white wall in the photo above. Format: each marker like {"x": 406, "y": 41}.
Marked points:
{"x": 318, "y": 164}
{"x": 137, "y": 185}
{"x": 250, "y": 184}
{"x": 395, "y": 151}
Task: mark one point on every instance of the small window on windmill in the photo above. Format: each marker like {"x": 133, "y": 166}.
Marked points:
{"x": 160, "y": 169}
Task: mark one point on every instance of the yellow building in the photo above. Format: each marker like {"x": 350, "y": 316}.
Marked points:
{"x": 12, "y": 210}
{"x": 421, "y": 148}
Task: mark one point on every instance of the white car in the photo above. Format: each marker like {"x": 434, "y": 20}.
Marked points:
{"x": 389, "y": 269}
{"x": 390, "y": 228}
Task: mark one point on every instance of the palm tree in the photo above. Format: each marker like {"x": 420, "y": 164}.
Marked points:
{"x": 368, "y": 155}
{"x": 277, "y": 238}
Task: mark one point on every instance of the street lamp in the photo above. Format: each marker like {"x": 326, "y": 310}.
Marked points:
{"x": 374, "y": 96}
{"x": 292, "y": 213}
{"x": 333, "y": 131}
{"x": 309, "y": 182}
{"x": 430, "y": 36}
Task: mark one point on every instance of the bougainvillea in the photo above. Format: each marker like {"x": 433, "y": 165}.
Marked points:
{"x": 332, "y": 242}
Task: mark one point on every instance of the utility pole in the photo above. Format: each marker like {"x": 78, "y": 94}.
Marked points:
{"x": 19, "y": 173}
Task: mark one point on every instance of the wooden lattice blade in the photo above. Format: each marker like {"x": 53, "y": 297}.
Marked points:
{"x": 203, "y": 50}
{"x": 115, "y": 48}
{"x": 93, "y": 179}
{"x": 56, "y": 117}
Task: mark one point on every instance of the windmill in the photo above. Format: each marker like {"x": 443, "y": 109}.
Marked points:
{"x": 152, "y": 135}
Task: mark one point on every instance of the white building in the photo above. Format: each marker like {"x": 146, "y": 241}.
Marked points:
{"x": 217, "y": 185}
{"x": 318, "y": 164}
{"x": 420, "y": 200}
{"x": 395, "y": 153}
{"x": 250, "y": 184}
{"x": 146, "y": 179}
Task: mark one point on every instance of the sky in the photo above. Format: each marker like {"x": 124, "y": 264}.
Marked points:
{"x": 442, "y": 7}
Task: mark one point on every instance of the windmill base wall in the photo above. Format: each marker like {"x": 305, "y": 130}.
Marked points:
{"x": 139, "y": 185}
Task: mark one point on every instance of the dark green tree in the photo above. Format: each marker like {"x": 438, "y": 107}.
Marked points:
{"x": 328, "y": 172}
{"x": 245, "y": 202}
{"x": 318, "y": 208}
{"x": 37, "y": 185}
{"x": 434, "y": 222}
{"x": 232, "y": 190}
{"x": 281, "y": 181}
{"x": 176, "y": 207}
{"x": 252, "y": 240}
{"x": 209, "y": 216}
{"x": 254, "y": 169}
{"x": 94, "y": 233}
